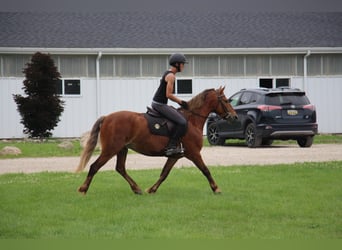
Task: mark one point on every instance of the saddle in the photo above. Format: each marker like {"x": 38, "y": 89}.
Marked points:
{"x": 158, "y": 124}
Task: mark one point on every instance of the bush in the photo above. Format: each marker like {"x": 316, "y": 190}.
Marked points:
{"x": 41, "y": 108}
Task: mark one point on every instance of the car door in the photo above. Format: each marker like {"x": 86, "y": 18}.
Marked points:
{"x": 247, "y": 101}
{"x": 233, "y": 127}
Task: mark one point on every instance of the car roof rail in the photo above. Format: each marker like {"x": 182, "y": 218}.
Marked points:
{"x": 265, "y": 89}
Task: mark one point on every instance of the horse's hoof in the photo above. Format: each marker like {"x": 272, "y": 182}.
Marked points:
{"x": 150, "y": 191}
{"x": 217, "y": 191}
{"x": 138, "y": 192}
{"x": 82, "y": 190}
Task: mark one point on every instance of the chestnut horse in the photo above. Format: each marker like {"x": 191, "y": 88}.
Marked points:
{"x": 125, "y": 130}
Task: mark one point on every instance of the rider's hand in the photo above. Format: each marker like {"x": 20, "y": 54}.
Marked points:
{"x": 184, "y": 105}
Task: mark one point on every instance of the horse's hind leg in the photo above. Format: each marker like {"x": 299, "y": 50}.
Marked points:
{"x": 121, "y": 169}
{"x": 165, "y": 172}
{"x": 100, "y": 161}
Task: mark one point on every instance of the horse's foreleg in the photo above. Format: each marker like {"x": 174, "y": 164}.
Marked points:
{"x": 121, "y": 169}
{"x": 204, "y": 169}
{"x": 165, "y": 172}
{"x": 100, "y": 161}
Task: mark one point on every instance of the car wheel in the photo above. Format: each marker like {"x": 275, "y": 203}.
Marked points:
{"x": 305, "y": 142}
{"x": 213, "y": 136}
{"x": 252, "y": 140}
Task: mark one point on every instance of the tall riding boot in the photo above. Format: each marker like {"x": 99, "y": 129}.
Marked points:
{"x": 173, "y": 148}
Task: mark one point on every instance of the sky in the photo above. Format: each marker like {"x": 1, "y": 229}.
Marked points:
{"x": 170, "y": 5}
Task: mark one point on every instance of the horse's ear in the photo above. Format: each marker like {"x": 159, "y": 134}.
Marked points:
{"x": 221, "y": 89}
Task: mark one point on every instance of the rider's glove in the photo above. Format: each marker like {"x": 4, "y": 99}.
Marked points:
{"x": 184, "y": 105}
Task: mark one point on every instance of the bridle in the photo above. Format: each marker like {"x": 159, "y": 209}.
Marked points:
{"x": 227, "y": 114}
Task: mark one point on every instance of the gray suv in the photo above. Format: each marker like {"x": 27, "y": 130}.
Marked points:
{"x": 264, "y": 115}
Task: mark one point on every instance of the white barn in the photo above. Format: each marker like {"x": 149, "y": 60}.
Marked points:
{"x": 113, "y": 61}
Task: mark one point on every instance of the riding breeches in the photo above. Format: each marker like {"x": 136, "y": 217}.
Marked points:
{"x": 172, "y": 114}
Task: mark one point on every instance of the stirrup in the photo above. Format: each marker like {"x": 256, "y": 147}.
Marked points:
{"x": 178, "y": 150}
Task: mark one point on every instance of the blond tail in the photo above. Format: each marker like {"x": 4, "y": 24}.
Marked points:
{"x": 91, "y": 144}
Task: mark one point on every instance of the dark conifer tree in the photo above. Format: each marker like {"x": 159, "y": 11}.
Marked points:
{"x": 41, "y": 108}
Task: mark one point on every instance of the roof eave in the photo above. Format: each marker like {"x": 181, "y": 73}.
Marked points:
{"x": 167, "y": 51}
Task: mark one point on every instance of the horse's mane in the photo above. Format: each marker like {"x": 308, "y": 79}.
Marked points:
{"x": 198, "y": 100}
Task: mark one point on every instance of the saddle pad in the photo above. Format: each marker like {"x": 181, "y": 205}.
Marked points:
{"x": 158, "y": 125}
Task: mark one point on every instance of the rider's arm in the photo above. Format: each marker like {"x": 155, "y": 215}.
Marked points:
{"x": 170, "y": 79}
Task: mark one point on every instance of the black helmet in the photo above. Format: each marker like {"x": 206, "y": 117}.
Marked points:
{"x": 177, "y": 58}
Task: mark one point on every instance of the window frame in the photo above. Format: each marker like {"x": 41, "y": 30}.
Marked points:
{"x": 62, "y": 88}
{"x": 274, "y": 82}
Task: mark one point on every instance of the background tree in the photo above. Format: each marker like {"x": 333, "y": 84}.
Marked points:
{"x": 41, "y": 108}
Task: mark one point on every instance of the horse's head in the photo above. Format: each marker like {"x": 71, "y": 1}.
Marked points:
{"x": 224, "y": 109}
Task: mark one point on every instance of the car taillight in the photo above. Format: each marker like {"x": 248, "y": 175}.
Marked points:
{"x": 309, "y": 106}
{"x": 267, "y": 108}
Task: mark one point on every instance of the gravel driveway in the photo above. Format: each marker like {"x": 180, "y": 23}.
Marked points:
{"x": 213, "y": 156}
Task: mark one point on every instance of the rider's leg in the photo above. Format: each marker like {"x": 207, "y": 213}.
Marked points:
{"x": 181, "y": 127}
{"x": 173, "y": 146}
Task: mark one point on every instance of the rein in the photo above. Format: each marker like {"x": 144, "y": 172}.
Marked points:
{"x": 196, "y": 114}
{"x": 219, "y": 97}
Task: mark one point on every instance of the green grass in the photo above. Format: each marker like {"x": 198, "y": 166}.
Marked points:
{"x": 47, "y": 148}
{"x": 41, "y": 149}
{"x": 50, "y": 147}
{"x": 302, "y": 201}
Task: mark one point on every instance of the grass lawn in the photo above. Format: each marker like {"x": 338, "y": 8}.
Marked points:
{"x": 301, "y": 201}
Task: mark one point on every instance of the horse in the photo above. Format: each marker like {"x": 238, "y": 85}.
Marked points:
{"x": 123, "y": 130}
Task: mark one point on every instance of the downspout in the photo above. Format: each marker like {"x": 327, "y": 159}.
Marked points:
{"x": 308, "y": 53}
{"x": 98, "y": 87}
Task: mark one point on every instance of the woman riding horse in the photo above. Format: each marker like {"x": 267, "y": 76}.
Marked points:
{"x": 165, "y": 93}
{"x": 135, "y": 134}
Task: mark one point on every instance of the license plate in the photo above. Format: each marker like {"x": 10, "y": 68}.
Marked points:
{"x": 292, "y": 112}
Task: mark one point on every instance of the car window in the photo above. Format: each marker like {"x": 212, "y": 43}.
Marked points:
{"x": 234, "y": 100}
{"x": 287, "y": 99}
{"x": 248, "y": 98}
{"x": 255, "y": 98}
{"x": 245, "y": 98}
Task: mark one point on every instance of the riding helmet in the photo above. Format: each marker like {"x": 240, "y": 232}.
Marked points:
{"x": 177, "y": 58}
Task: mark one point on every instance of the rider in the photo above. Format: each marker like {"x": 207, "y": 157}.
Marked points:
{"x": 160, "y": 99}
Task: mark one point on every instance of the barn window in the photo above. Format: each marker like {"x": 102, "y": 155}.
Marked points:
{"x": 332, "y": 64}
{"x": 68, "y": 86}
{"x": 107, "y": 66}
{"x": 284, "y": 65}
{"x": 206, "y": 66}
{"x": 13, "y": 65}
{"x": 73, "y": 65}
{"x": 274, "y": 82}
{"x": 232, "y": 65}
{"x": 127, "y": 66}
{"x": 153, "y": 65}
{"x": 72, "y": 87}
{"x": 183, "y": 86}
{"x": 258, "y": 65}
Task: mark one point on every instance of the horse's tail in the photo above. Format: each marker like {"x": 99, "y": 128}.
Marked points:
{"x": 91, "y": 144}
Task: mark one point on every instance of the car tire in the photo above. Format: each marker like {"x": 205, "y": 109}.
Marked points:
{"x": 252, "y": 140}
{"x": 213, "y": 136}
{"x": 305, "y": 142}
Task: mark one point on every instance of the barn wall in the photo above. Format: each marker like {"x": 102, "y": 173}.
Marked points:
{"x": 135, "y": 94}
{"x": 10, "y": 126}
{"x": 325, "y": 93}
